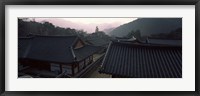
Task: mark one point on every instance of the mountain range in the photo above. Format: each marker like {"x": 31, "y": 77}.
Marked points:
{"x": 89, "y": 28}
{"x": 148, "y": 26}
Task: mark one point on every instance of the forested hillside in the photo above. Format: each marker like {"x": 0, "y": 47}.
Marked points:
{"x": 26, "y": 28}
{"x": 151, "y": 27}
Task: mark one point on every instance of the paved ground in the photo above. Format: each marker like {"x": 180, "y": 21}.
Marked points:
{"x": 96, "y": 74}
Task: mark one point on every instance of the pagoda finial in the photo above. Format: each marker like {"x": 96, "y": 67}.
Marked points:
{"x": 97, "y": 29}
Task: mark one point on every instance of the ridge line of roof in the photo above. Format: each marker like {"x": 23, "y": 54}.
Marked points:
{"x": 75, "y": 40}
{"x": 73, "y": 54}
{"x": 106, "y": 54}
{"x": 146, "y": 44}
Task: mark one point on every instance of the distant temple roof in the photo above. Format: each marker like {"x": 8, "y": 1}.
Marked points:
{"x": 165, "y": 42}
{"x": 53, "y": 49}
{"x": 142, "y": 60}
{"x": 85, "y": 51}
{"x": 151, "y": 41}
{"x": 98, "y": 42}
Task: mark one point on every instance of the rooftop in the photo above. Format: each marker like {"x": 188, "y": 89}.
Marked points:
{"x": 142, "y": 60}
{"x": 165, "y": 42}
{"x": 53, "y": 49}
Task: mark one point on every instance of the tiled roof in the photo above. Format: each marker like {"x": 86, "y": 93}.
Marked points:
{"x": 52, "y": 49}
{"x": 98, "y": 42}
{"x": 24, "y": 45}
{"x": 142, "y": 61}
{"x": 85, "y": 51}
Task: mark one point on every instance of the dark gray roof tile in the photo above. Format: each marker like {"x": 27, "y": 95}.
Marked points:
{"x": 53, "y": 49}
{"x": 24, "y": 45}
{"x": 143, "y": 60}
{"x": 85, "y": 51}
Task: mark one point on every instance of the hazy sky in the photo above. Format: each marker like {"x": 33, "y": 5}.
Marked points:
{"x": 99, "y": 20}
{"x": 87, "y": 24}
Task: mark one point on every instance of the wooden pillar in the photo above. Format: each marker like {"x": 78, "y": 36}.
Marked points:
{"x": 78, "y": 66}
{"x": 61, "y": 68}
{"x": 92, "y": 58}
{"x": 84, "y": 63}
{"x": 72, "y": 69}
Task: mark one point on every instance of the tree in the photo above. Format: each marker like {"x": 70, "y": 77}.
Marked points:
{"x": 136, "y": 34}
{"x": 26, "y": 27}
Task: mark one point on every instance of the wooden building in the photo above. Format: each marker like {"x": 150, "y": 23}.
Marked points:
{"x": 50, "y": 56}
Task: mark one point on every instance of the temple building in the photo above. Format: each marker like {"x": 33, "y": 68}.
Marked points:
{"x": 54, "y": 56}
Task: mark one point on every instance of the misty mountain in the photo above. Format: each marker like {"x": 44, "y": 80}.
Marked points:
{"x": 79, "y": 26}
{"x": 148, "y": 26}
{"x": 108, "y": 30}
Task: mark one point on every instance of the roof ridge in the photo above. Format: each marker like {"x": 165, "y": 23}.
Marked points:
{"x": 108, "y": 49}
{"x": 73, "y": 54}
{"x": 144, "y": 44}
